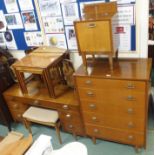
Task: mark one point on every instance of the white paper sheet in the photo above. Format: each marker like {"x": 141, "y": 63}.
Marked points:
{"x": 25, "y": 5}
{"x": 71, "y": 38}
{"x": 123, "y": 1}
{"x": 29, "y": 20}
{"x": 14, "y": 21}
{"x": 50, "y": 8}
{"x": 11, "y": 6}
{"x": 10, "y": 40}
{"x": 33, "y": 38}
{"x": 53, "y": 24}
{"x": 2, "y": 40}
{"x": 56, "y": 40}
{"x": 68, "y": 1}
{"x": 126, "y": 14}
{"x": 3, "y": 23}
{"x": 70, "y": 12}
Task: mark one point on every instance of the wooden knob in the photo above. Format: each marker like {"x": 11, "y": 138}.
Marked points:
{"x": 65, "y": 107}
{"x": 92, "y": 106}
{"x": 94, "y": 118}
{"x": 130, "y": 137}
{"x": 68, "y": 115}
{"x": 19, "y": 115}
{"x": 88, "y": 82}
{"x": 36, "y": 102}
{"x": 130, "y": 125}
{"x": 70, "y": 126}
{"x": 89, "y": 93}
{"x": 96, "y": 130}
{"x": 130, "y": 111}
{"x": 16, "y": 106}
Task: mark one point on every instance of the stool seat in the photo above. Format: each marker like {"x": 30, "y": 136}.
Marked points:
{"x": 42, "y": 115}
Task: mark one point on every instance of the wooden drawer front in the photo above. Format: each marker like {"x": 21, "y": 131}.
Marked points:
{"x": 75, "y": 127}
{"x": 96, "y": 41}
{"x": 127, "y": 110}
{"x": 17, "y": 115}
{"x": 17, "y": 106}
{"x": 132, "y": 138}
{"x": 126, "y": 123}
{"x": 110, "y": 84}
{"x": 108, "y": 108}
{"x": 70, "y": 116}
{"x": 90, "y": 94}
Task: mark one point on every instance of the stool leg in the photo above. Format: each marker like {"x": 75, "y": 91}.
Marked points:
{"x": 27, "y": 125}
{"x": 57, "y": 127}
{"x": 74, "y": 135}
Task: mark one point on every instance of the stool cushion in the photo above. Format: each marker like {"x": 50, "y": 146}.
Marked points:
{"x": 42, "y": 115}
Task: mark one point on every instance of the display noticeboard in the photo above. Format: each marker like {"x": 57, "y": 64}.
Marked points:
{"x": 22, "y": 30}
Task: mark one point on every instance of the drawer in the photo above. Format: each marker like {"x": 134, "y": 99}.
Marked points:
{"x": 70, "y": 116}
{"x": 73, "y": 128}
{"x": 17, "y": 115}
{"x": 13, "y": 105}
{"x": 109, "y": 84}
{"x": 125, "y": 123}
{"x": 127, "y": 110}
{"x": 127, "y": 137}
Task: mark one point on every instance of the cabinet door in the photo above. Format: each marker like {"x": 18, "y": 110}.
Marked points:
{"x": 94, "y": 36}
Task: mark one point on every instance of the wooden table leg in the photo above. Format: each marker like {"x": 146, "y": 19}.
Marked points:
{"x": 111, "y": 62}
{"x": 21, "y": 81}
{"x": 48, "y": 83}
{"x": 84, "y": 61}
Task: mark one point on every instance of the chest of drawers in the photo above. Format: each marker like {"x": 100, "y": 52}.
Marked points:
{"x": 66, "y": 105}
{"x": 114, "y": 107}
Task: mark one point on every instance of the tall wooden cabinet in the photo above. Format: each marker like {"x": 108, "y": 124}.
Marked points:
{"x": 114, "y": 104}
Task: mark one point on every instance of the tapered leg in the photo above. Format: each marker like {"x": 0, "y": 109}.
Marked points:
{"x": 84, "y": 61}
{"x": 111, "y": 62}
{"x": 94, "y": 140}
{"x": 57, "y": 127}
{"x": 27, "y": 125}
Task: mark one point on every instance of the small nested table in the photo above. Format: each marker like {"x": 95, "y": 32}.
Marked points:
{"x": 41, "y": 61}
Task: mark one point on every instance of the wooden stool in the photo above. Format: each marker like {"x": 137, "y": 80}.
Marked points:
{"x": 44, "y": 117}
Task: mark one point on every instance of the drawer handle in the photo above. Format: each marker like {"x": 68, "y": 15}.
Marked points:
{"x": 90, "y": 93}
{"x": 130, "y": 137}
{"x": 88, "y": 82}
{"x": 96, "y": 131}
{"x": 91, "y": 25}
{"x": 130, "y": 86}
{"x": 36, "y": 102}
{"x": 16, "y": 106}
{"x": 94, "y": 118}
{"x": 130, "y": 125}
{"x": 92, "y": 106}
{"x": 68, "y": 115}
{"x": 70, "y": 126}
{"x": 65, "y": 107}
{"x": 130, "y": 98}
{"x": 130, "y": 111}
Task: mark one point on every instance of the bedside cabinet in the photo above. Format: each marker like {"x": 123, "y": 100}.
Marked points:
{"x": 115, "y": 107}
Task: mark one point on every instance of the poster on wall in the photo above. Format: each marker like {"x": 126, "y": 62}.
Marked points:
{"x": 29, "y": 20}
{"x": 56, "y": 40}
{"x": 14, "y": 21}
{"x": 68, "y": 1}
{"x": 3, "y": 23}
{"x": 10, "y": 40}
{"x": 25, "y": 5}
{"x": 2, "y": 40}
{"x": 53, "y": 24}
{"x": 11, "y": 6}
{"x": 83, "y": 3}
{"x": 49, "y": 8}
{"x": 70, "y": 13}
{"x": 71, "y": 38}
{"x": 33, "y": 38}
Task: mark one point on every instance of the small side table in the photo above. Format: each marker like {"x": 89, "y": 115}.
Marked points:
{"x": 39, "y": 62}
